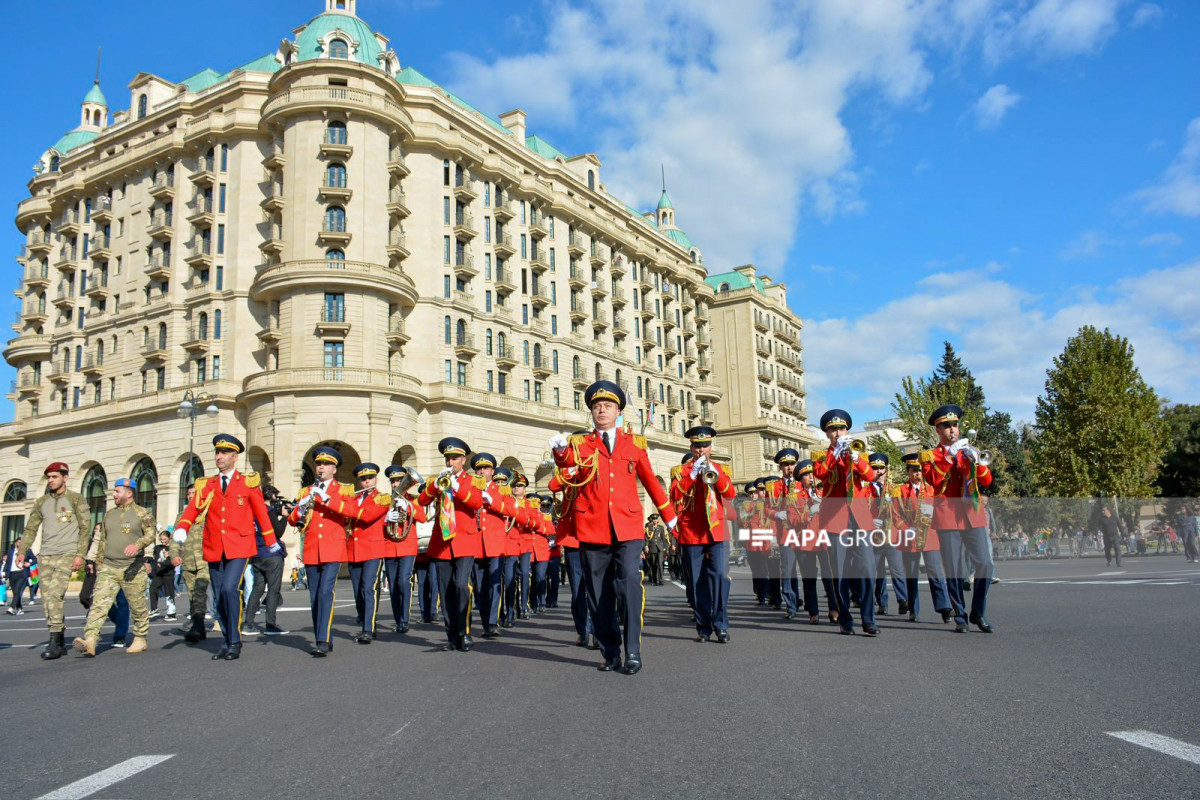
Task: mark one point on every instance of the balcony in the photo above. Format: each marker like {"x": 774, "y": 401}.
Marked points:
{"x": 600, "y": 320}
{"x": 760, "y": 347}
{"x": 577, "y": 279}
{"x": 275, "y": 157}
{"x": 504, "y": 281}
{"x": 274, "y": 200}
{"x": 333, "y": 322}
{"x": 396, "y": 334}
{"x": 60, "y": 375}
{"x": 674, "y": 403}
{"x": 67, "y": 260}
{"x": 40, "y": 244}
{"x": 689, "y": 356}
{"x": 538, "y": 262}
{"x": 786, "y": 356}
{"x": 161, "y": 227}
{"x": 648, "y": 341}
{"x": 464, "y": 299}
{"x": 31, "y": 385}
{"x": 505, "y": 211}
{"x": 465, "y": 188}
{"x": 503, "y": 246}
{"x": 538, "y": 229}
{"x": 97, "y": 287}
{"x": 506, "y": 356}
{"x": 645, "y": 283}
{"x": 201, "y": 212}
{"x": 65, "y": 299}
{"x": 34, "y": 316}
{"x": 688, "y": 333}
{"x": 163, "y": 187}
{"x": 196, "y": 340}
{"x": 92, "y": 366}
{"x": 619, "y": 329}
{"x": 599, "y": 255}
{"x": 788, "y": 334}
{"x": 270, "y": 334}
{"x": 647, "y": 312}
{"x": 764, "y": 374}
{"x": 541, "y": 366}
{"x": 396, "y": 206}
{"x": 70, "y": 226}
{"x": 320, "y": 274}
{"x": 335, "y": 190}
{"x": 668, "y": 322}
{"x": 618, "y": 296}
{"x": 617, "y": 266}
{"x": 335, "y": 145}
{"x": 464, "y": 264}
{"x": 273, "y": 244}
{"x": 707, "y": 390}
{"x": 575, "y": 245}
{"x": 37, "y": 277}
{"x": 465, "y": 347}
{"x": 670, "y": 349}
{"x": 598, "y": 290}
{"x": 199, "y": 254}
{"x": 205, "y": 174}
{"x": 397, "y": 246}
{"x": 539, "y": 296}
{"x": 580, "y": 381}
{"x": 32, "y": 346}
{"x": 155, "y": 351}
{"x": 397, "y": 166}
{"x": 578, "y": 312}
{"x": 333, "y": 232}
{"x": 701, "y": 313}
{"x": 760, "y": 322}
{"x": 464, "y": 228}
{"x": 102, "y": 211}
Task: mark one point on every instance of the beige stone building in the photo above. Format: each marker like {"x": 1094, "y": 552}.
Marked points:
{"x": 759, "y": 366}
{"x": 327, "y": 247}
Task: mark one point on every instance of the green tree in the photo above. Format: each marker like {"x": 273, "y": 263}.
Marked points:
{"x": 952, "y": 368}
{"x": 1099, "y": 428}
{"x": 1180, "y": 474}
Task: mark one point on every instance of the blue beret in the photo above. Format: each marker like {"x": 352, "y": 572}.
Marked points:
{"x": 227, "y": 441}
{"x": 911, "y": 459}
{"x": 701, "y": 434}
{"x": 502, "y": 476}
{"x": 126, "y": 483}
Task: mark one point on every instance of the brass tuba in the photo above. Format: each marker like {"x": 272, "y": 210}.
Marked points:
{"x": 398, "y": 531}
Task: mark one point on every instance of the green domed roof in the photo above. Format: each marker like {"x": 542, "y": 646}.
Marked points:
{"x": 308, "y": 42}
{"x": 74, "y": 139}
{"x": 665, "y": 200}
{"x": 94, "y": 95}
{"x": 680, "y": 238}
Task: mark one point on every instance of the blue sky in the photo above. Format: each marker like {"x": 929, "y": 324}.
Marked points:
{"x": 992, "y": 172}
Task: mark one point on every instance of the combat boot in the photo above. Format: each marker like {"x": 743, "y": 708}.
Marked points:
{"x": 138, "y": 646}
{"x": 197, "y": 632}
{"x": 86, "y": 646}
{"x": 55, "y": 649}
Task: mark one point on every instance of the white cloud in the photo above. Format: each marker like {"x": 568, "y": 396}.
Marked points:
{"x": 1006, "y": 336}
{"x": 1162, "y": 239}
{"x": 990, "y": 109}
{"x": 1179, "y": 190}
{"x": 745, "y": 108}
{"x": 1147, "y": 14}
{"x": 1088, "y": 244}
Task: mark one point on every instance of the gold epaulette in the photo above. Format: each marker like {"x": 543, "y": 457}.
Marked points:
{"x": 479, "y": 482}
{"x": 677, "y": 472}
{"x": 253, "y": 479}
{"x": 639, "y": 441}
{"x": 818, "y": 455}
{"x": 345, "y": 490}
{"x": 304, "y": 492}
{"x": 200, "y": 484}
{"x": 728, "y": 470}
{"x": 898, "y": 491}
{"x": 383, "y": 499}
{"x": 576, "y": 439}
{"x": 926, "y": 457}
{"x": 505, "y": 490}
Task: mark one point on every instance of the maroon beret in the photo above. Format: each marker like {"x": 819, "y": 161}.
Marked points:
{"x": 57, "y": 466}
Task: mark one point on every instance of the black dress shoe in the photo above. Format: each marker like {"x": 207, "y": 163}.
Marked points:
{"x": 846, "y": 631}
{"x": 789, "y": 614}
{"x": 814, "y": 619}
{"x": 881, "y": 611}
{"x": 947, "y": 615}
{"x": 466, "y": 644}
{"x": 981, "y": 622}
{"x": 871, "y": 630}
{"x": 702, "y": 637}
{"x": 220, "y": 654}
{"x": 448, "y": 646}
{"x": 632, "y": 665}
{"x": 491, "y": 632}
{"x": 903, "y": 609}
{"x": 723, "y": 637}
{"x": 402, "y": 629}
{"x": 912, "y": 617}
{"x": 321, "y": 649}
{"x": 961, "y": 627}
{"x": 235, "y": 652}
{"x": 362, "y": 638}
{"x": 610, "y": 665}
{"x": 592, "y": 643}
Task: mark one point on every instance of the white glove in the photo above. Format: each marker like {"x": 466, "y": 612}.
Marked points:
{"x": 402, "y": 503}
{"x": 180, "y": 535}
{"x": 321, "y": 493}
{"x": 487, "y": 499}
{"x": 878, "y": 523}
{"x": 927, "y": 509}
{"x": 304, "y": 504}
{"x": 275, "y": 548}
{"x": 696, "y": 466}
{"x": 558, "y": 442}
{"x": 392, "y": 516}
{"x": 959, "y": 446}
{"x": 454, "y": 484}
{"x": 671, "y": 525}
{"x": 781, "y": 516}
{"x": 815, "y": 507}
{"x": 842, "y": 445}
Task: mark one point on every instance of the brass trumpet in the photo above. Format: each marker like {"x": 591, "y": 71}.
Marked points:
{"x": 442, "y": 482}
{"x": 710, "y": 475}
{"x": 858, "y": 446}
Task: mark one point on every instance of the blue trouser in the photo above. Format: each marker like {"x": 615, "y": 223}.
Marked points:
{"x": 429, "y": 591}
{"x": 708, "y": 571}
{"x": 613, "y": 582}
{"x": 523, "y": 576}
{"x": 399, "y": 574}
{"x": 321, "y": 579}
{"x": 454, "y": 576}
{"x": 118, "y": 613}
{"x": 889, "y": 559}
{"x": 538, "y": 586}
{"x": 808, "y": 560}
{"x": 937, "y": 580}
{"x": 790, "y": 585}
{"x": 364, "y": 578}
{"x": 225, "y": 577}
{"x": 959, "y": 547}
{"x": 579, "y": 606}
{"x": 854, "y": 561}
{"x": 486, "y": 577}
{"x": 553, "y": 576}
{"x": 508, "y": 577}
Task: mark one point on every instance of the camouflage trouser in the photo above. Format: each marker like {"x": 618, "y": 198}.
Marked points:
{"x": 196, "y": 581}
{"x": 55, "y": 573}
{"x": 110, "y": 580}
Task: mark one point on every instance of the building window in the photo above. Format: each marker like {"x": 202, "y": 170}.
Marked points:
{"x": 446, "y": 251}
{"x": 502, "y": 383}
{"x": 335, "y": 219}
{"x": 335, "y": 255}
{"x": 335, "y": 354}
{"x": 201, "y": 370}
{"x": 490, "y": 383}
{"x": 577, "y": 400}
{"x": 216, "y": 368}
{"x": 335, "y": 307}
{"x": 487, "y": 300}
{"x": 335, "y": 133}
{"x": 220, "y": 239}
{"x": 462, "y": 373}
{"x": 446, "y": 286}
{"x": 141, "y": 106}
{"x": 338, "y": 49}
{"x": 221, "y": 199}
{"x": 446, "y": 323}
{"x": 487, "y": 341}
{"x": 220, "y": 277}
{"x": 526, "y": 389}
{"x": 537, "y": 391}
{"x": 335, "y": 176}
{"x": 449, "y": 371}
{"x": 591, "y": 180}
{"x": 145, "y": 478}
{"x": 160, "y": 378}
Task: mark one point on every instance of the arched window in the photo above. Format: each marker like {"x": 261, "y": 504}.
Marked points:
{"x": 100, "y": 352}
{"x": 145, "y": 337}
{"x": 162, "y": 336}
{"x": 618, "y": 377}
{"x": 335, "y": 219}
{"x": 554, "y": 359}
{"x": 597, "y": 372}
{"x": 525, "y": 352}
{"x": 141, "y": 106}
{"x": 639, "y": 386}
{"x": 575, "y": 367}
{"x": 217, "y": 324}
{"x": 501, "y": 340}
{"x": 95, "y": 492}
{"x": 187, "y": 476}
{"x": 487, "y": 340}
{"x": 203, "y": 327}
{"x": 335, "y": 255}
{"x": 14, "y": 492}
{"x": 335, "y": 176}
{"x": 335, "y": 133}
{"x": 591, "y": 180}
{"x": 446, "y": 323}
{"x": 54, "y": 163}
{"x": 145, "y": 478}
{"x": 724, "y": 288}
{"x": 338, "y": 49}
{"x": 537, "y": 354}
{"x": 460, "y": 332}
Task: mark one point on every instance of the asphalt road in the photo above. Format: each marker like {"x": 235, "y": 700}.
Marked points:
{"x": 785, "y": 710}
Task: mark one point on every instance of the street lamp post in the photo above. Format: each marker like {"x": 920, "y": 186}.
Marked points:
{"x": 190, "y": 407}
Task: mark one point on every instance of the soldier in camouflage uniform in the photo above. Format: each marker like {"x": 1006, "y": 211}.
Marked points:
{"x": 127, "y": 530}
{"x": 65, "y": 522}
{"x": 190, "y": 554}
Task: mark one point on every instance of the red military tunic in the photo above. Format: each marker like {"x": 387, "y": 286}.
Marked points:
{"x": 494, "y": 518}
{"x": 408, "y": 547}
{"x": 905, "y": 511}
{"x": 756, "y": 517}
{"x": 608, "y": 502}
{"x": 325, "y": 537}
{"x": 512, "y": 540}
{"x": 465, "y": 540}
{"x": 367, "y": 541}
{"x": 691, "y": 499}
{"x": 565, "y": 532}
{"x": 231, "y": 515}
{"x": 832, "y": 472}
{"x": 946, "y": 475}
{"x": 541, "y": 537}
{"x": 801, "y": 518}
{"x": 785, "y": 495}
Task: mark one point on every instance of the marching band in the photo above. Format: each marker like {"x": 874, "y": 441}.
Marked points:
{"x": 491, "y": 542}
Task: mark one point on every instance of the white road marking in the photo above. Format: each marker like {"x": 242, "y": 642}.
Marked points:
{"x": 1163, "y": 744}
{"x": 105, "y": 778}
{"x": 1122, "y": 572}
